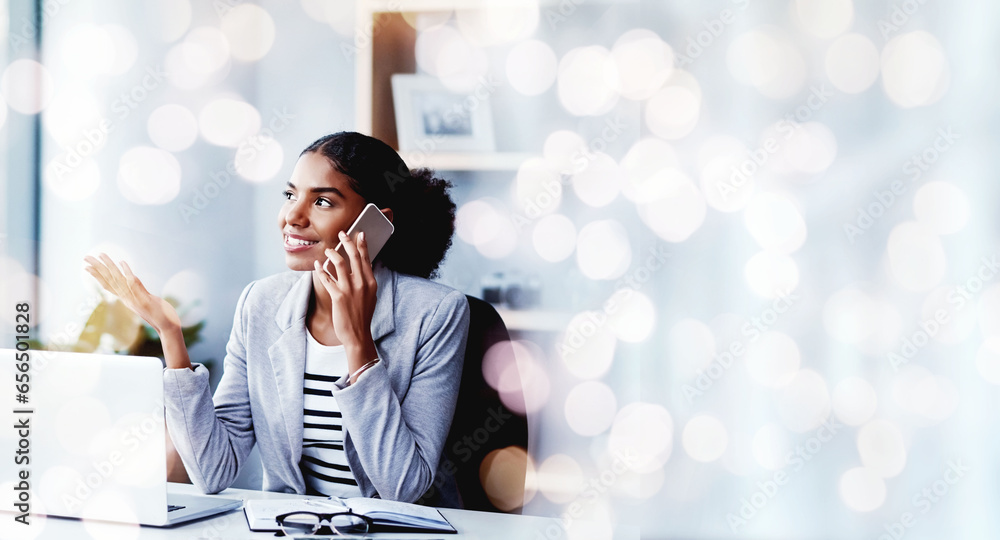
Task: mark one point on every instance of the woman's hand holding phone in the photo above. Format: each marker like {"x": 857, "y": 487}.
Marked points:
{"x": 352, "y": 289}
{"x": 156, "y": 311}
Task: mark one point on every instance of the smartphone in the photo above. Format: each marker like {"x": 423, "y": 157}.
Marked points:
{"x": 377, "y": 229}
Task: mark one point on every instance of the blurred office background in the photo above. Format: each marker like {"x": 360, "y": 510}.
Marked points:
{"x": 748, "y": 248}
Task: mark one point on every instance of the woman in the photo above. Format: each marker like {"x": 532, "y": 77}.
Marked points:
{"x": 345, "y": 381}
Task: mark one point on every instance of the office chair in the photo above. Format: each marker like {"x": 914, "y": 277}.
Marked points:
{"x": 479, "y": 410}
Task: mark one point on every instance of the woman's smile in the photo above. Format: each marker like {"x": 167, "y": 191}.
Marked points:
{"x": 295, "y": 243}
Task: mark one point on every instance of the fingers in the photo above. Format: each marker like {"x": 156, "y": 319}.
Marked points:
{"x": 98, "y": 270}
{"x": 352, "y": 253}
{"x": 366, "y": 269}
{"x": 339, "y": 265}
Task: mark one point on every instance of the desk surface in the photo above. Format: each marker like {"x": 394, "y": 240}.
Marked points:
{"x": 233, "y": 525}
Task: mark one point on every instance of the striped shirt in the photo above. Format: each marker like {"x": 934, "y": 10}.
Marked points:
{"x": 324, "y": 464}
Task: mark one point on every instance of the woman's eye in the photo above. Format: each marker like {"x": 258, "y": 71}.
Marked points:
{"x": 325, "y": 201}
{"x": 287, "y": 194}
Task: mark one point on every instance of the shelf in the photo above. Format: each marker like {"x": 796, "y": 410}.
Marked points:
{"x": 467, "y": 161}
{"x": 535, "y": 319}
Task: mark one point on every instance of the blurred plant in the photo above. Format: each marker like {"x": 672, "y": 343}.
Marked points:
{"x": 113, "y": 328}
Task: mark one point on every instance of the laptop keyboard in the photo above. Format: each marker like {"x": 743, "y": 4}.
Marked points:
{"x": 172, "y": 507}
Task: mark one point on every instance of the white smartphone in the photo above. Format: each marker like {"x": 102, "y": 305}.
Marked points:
{"x": 377, "y": 229}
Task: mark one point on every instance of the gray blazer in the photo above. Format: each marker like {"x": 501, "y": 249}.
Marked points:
{"x": 396, "y": 416}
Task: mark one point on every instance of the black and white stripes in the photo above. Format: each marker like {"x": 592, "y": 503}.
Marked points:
{"x": 324, "y": 464}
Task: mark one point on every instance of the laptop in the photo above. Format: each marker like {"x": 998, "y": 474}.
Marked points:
{"x": 92, "y": 427}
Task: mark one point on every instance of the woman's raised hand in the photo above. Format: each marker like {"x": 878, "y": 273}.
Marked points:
{"x": 122, "y": 283}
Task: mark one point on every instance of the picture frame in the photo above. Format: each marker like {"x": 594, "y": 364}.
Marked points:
{"x": 432, "y": 118}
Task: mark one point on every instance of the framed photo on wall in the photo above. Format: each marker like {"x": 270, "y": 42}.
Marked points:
{"x": 432, "y": 118}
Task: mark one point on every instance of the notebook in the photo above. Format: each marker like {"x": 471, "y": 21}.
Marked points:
{"x": 94, "y": 437}
{"x": 387, "y": 516}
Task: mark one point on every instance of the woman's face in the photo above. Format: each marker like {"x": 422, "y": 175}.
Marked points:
{"x": 319, "y": 204}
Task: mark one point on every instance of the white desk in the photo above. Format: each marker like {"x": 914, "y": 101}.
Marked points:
{"x": 233, "y": 525}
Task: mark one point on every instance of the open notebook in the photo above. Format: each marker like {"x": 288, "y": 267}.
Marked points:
{"x": 387, "y": 516}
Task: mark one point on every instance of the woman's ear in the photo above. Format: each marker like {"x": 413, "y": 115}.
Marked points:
{"x": 388, "y": 213}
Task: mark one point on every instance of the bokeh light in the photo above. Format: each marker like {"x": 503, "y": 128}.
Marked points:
{"x": 590, "y": 408}
{"x": 259, "y": 159}
{"x": 915, "y": 69}
{"x": 484, "y": 224}
{"x": 582, "y": 82}
{"x": 73, "y": 183}
{"x": 854, "y": 401}
{"x": 824, "y": 18}
{"x": 26, "y": 86}
{"x": 775, "y": 222}
{"x": 249, "y": 29}
{"x": 167, "y": 19}
{"x": 87, "y": 50}
{"x": 599, "y": 181}
{"x": 537, "y": 187}
{"x": 554, "y": 237}
{"x": 559, "y": 478}
{"x": 149, "y": 175}
{"x": 943, "y": 208}
{"x": 587, "y": 347}
{"x": 501, "y": 473}
{"x": 642, "y": 165}
{"x": 172, "y": 127}
{"x": 644, "y": 431}
{"x": 705, "y": 438}
{"x": 603, "y": 249}
{"x": 228, "y": 122}
{"x": 852, "y": 63}
{"x": 678, "y": 210}
{"x": 642, "y": 63}
{"x": 566, "y": 151}
{"x": 632, "y": 315}
{"x": 767, "y": 61}
{"x": 861, "y": 489}
{"x": 531, "y": 67}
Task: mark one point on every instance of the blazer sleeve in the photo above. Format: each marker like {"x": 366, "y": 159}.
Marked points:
{"x": 398, "y": 443}
{"x": 213, "y": 437}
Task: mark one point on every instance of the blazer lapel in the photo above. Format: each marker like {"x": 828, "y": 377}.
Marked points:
{"x": 288, "y": 359}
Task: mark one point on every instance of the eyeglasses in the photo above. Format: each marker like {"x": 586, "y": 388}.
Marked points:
{"x": 309, "y": 523}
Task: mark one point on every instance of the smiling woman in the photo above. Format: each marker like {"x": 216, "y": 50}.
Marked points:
{"x": 345, "y": 381}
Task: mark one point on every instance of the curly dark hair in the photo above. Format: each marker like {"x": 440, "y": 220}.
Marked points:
{"x": 423, "y": 213}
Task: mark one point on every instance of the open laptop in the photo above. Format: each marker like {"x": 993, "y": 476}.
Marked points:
{"x": 95, "y": 439}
